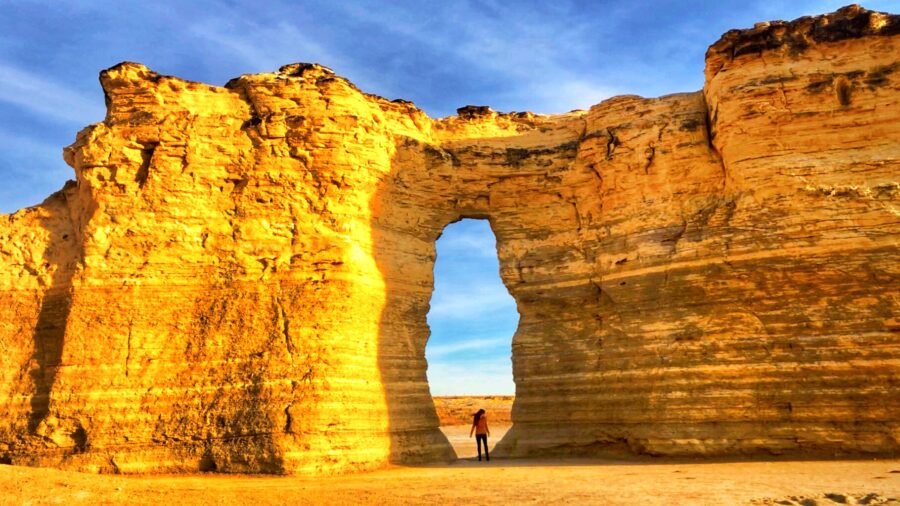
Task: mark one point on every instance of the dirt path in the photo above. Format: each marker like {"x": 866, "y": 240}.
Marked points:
{"x": 496, "y": 482}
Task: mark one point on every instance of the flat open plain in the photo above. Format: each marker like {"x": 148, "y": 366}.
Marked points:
{"x": 498, "y": 482}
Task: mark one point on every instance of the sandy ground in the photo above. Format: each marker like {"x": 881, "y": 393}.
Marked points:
{"x": 468, "y": 481}
{"x": 496, "y": 482}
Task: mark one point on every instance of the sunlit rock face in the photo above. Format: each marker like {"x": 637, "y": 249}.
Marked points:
{"x": 239, "y": 276}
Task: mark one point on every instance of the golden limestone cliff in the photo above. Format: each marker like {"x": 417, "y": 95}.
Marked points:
{"x": 238, "y": 278}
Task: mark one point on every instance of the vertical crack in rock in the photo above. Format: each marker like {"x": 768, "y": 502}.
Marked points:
{"x": 611, "y": 143}
{"x": 288, "y": 418}
{"x": 649, "y": 153}
{"x": 284, "y": 322}
{"x": 143, "y": 171}
{"x": 128, "y": 347}
{"x": 709, "y": 120}
{"x": 578, "y": 224}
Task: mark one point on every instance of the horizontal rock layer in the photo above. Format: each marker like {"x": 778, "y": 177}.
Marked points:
{"x": 238, "y": 278}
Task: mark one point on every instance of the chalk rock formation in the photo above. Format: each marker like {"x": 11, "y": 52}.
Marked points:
{"x": 238, "y": 278}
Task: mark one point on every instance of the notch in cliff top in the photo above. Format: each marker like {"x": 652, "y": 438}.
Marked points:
{"x": 796, "y": 36}
{"x": 301, "y": 69}
{"x": 474, "y": 111}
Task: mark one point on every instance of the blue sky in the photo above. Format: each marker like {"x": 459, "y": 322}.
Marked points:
{"x": 530, "y": 55}
{"x": 472, "y": 316}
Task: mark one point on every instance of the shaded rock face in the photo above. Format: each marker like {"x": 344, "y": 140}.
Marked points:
{"x": 238, "y": 278}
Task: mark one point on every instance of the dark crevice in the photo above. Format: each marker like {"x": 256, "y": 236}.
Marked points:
{"x": 651, "y": 154}
{"x": 128, "y": 350}
{"x": 708, "y": 119}
{"x": 143, "y": 172}
{"x": 208, "y": 462}
{"x": 611, "y": 143}
{"x": 80, "y": 438}
{"x": 843, "y": 89}
{"x": 289, "y": 420}
{"x": 285, "y": 327}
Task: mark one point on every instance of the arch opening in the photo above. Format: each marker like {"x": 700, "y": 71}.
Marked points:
{"x": 472, "y": 319}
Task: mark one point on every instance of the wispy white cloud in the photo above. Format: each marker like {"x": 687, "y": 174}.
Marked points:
{"x": 482, "y": 377}
{"x": 265, "y": 48}
{"x": 470, "y": 301}
{"x": 472, "y": 315}
{"x": 439, "y": 351}
{"x": 471, "y": 243}
{"x": 38, "y": 151}
{"x": 535, "y": 55}
{"x": 570, "y": 94}
{"x": 468, "y": 289}
{"x": 34, "y": 168}
{"x": 40, "y": 95}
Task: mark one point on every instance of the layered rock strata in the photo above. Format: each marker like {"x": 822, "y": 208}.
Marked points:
{"x": 238, "y": 278}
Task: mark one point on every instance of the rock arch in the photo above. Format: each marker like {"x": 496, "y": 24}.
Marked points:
{"x": 245, "y": 269}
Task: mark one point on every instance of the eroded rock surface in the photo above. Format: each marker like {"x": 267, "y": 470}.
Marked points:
{"x": 239, "y": 276}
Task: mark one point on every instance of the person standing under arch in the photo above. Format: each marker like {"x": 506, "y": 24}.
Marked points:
{"x": 481, "y": 430}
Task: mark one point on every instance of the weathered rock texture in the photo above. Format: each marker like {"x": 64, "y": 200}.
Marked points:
{"x": 238, "y": 278}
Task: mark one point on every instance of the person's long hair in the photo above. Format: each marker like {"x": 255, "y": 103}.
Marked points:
{"x": 477, "y": 416}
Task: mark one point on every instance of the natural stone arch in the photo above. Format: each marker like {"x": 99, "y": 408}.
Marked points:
{"x": 242, "y": 272}
{"x": 539, "y": 181}
{"x": 442, "y": 184}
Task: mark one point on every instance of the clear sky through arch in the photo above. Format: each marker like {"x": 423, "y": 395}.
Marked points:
{"x": 472, "y": 316}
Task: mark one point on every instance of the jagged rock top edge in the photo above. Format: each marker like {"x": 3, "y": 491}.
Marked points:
{"x": 307, "y": 71}
{"x": 851, "y": 21}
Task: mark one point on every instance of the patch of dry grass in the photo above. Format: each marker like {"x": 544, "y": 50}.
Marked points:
{"x": 458, "y": 410}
